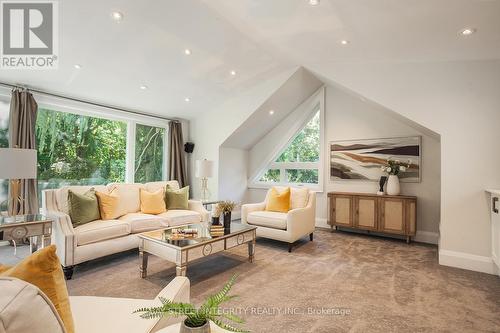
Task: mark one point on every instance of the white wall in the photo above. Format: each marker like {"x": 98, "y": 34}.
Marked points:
{"x": 349, "y": 117}
{"x": 210, "y": 130}
{"x": 460, "y": 101}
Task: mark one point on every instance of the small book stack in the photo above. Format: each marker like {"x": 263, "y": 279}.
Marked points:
{"x": 216, "y": 230}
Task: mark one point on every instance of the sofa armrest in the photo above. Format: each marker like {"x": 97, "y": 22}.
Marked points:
{"x": 197, "y": 206}
{"x": 248, "y": 208}
{"x": 177, "y": 291}
{"x": 63, "y": 236}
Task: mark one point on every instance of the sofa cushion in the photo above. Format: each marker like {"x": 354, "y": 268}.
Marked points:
{"x": 83, "y": 208}
{"x": 140, "y": 222}
{"x": 43, "y": 270}
{"x": 267, "y": 219}
{"x": 16, "y": 299}
{"x": 100, "y": 230}
{"x": 155, "y": 186}
{"x": 108, "y": 205}
{"x": 298, "y": 196}
{"x": 179, "y": 216}
{"x": 153, "y": 202}
{"x": 278, "y": 202}
{"x": 62, "y": 194}
{"x": 177, "y": 199}
{"x": 130, "y": 201}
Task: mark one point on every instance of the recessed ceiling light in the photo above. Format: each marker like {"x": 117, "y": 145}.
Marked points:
{"x": 233, "y": 72}
{"x": 344, "y": 42}
{"x": 187, "y": 51}
{"x": 271, "y": 112}
{"x": 187, "y": 99}
{"x": 77, "y": 66}
{"x": 143, "y": 87}
{"x": 314, "y": 2}
{"x": 117, "y": 16}
{"x": 467, "y": 31}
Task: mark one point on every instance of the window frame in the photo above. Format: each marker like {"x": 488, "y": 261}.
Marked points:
{"x": 83, "y": 109}
{"x": 314, "y": 104}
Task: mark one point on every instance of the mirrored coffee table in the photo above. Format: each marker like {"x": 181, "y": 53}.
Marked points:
{"x": 173, "y": 245}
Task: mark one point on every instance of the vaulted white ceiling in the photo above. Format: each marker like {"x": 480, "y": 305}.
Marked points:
{"x": 256, "y": 38}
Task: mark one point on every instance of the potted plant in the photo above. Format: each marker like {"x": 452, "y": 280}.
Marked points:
{"x": 198, "y": 319}
{"x": 394, "y": 168}
{"x": 226, "y": 208}
{"x": 216, "y": 215}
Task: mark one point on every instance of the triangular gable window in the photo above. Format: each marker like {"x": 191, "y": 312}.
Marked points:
{"x": 298, "y": 162}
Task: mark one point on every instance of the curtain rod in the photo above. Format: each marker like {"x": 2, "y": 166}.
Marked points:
{"x": 74, "y": 99}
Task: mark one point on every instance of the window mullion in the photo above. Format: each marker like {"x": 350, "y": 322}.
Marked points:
{"x": 130, "y": 156}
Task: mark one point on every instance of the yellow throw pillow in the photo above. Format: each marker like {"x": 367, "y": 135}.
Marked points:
{"x": 108, "y": 205}
{"x": 278, "y": 202}
{"x": 43, "y": 270}
{"x": 153, "y": 202}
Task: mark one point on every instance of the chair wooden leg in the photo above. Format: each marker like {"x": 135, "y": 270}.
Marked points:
{"x": 290, "y": 246}
{"x": 68, "y": 272}
{"x": 311, "y": 236}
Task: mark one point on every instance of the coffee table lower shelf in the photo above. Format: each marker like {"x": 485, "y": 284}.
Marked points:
{"x": 181, "y": 256}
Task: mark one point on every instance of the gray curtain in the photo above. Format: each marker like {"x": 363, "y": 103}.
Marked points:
{"x": 176, "y": 158}
{"x": 22, "y": 120}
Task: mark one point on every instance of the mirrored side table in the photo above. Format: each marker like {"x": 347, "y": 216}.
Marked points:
{"x": 36, "y": 227}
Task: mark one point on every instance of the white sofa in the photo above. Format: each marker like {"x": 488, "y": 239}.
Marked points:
{"x": 101, "y": 238}
{"x": 24, "y": 308}
{"x": 285, "y": 227}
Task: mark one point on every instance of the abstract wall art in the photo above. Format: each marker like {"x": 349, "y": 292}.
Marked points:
{"x": 363, "y": 159}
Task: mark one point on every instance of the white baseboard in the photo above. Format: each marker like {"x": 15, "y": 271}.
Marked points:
{"x": 4, "y": 243}
{"x": 467, "y": 261}
{"x": 322, "y": 223}
{"x": 421, "y": 236}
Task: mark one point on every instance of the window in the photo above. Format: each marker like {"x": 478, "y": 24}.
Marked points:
{"x": 79, "y": 150}
{"x": 299, "y": 161}
{"x": 148, "y": 153}
{"x": 4, "y": 143}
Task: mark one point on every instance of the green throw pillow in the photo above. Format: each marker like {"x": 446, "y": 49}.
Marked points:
{"x": 177, "y": 199}
{"x": 83, "y": 208}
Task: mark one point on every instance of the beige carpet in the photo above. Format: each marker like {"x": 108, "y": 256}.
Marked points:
{"x": 361, "y": 283}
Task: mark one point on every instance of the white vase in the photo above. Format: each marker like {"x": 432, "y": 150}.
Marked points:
{"x": 393, "y": 185}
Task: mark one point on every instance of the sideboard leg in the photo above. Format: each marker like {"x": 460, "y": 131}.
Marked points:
{"x": 408, "y": 239}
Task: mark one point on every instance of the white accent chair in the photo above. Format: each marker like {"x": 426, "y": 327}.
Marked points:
{"x": 24, "y": 308}
{"x": 101, "y": 238}
{"x": 285, "y": 227}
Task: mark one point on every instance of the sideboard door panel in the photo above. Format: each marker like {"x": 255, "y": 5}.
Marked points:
{"x": 342, "y": 210}
{"x": 411, "y": 219}
{"x": 393, "y": 216}
{"x": 366, "y": 213}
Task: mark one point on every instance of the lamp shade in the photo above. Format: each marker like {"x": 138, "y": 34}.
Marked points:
{"x": 204, "y": 169}
{"x": 18, "y": 163}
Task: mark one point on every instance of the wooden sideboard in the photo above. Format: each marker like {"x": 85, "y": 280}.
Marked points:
{"x": 387, "y": 214}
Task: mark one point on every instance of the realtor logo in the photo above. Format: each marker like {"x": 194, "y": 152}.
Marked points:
{"x": 29, "y": 35}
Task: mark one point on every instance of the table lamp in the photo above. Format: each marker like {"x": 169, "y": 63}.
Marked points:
{"x": 17, "y": 164}
{"x": 204, "y": 170}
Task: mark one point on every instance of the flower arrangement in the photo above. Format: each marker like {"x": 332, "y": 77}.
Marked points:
{"x": 395, "y": 167}
{"x": 226, "y": 206}
{"x": 217, "y": 211}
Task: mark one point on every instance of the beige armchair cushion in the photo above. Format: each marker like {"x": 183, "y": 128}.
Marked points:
{"x": 100, "y": 230}
{"x": 140, "y": 222}
{"x": 298, "y": 196}
{"x": 268, "y": 219}
{"x": 24, "y": 308}
{"x": 62, "y": 194}
{"x": 177, "y": 217}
